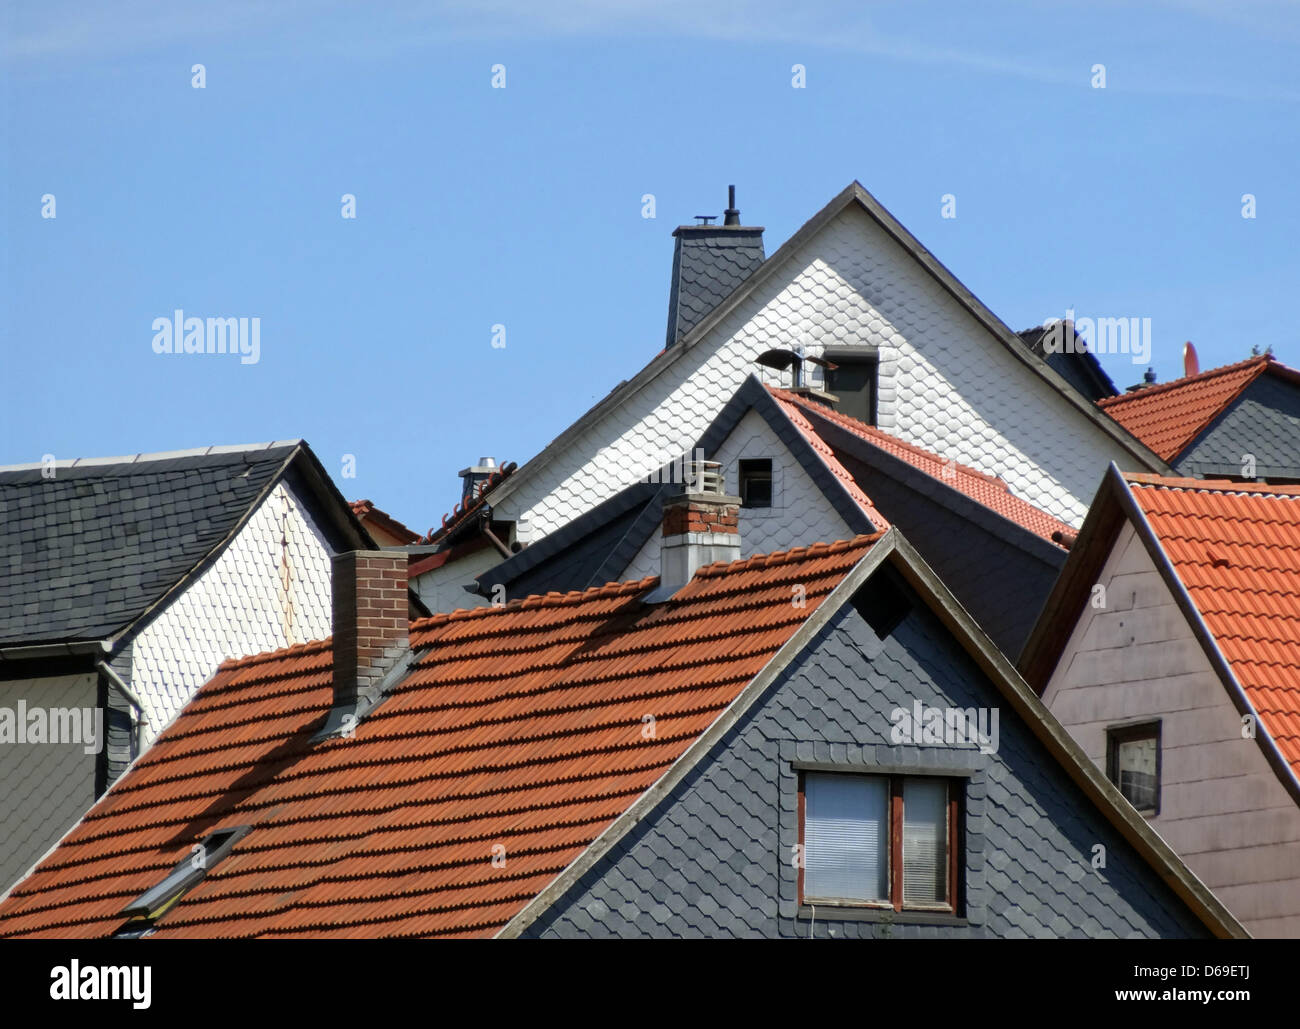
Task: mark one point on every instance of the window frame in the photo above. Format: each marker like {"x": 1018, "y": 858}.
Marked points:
{"x": 1116, "y": 735}
{"x": 956, "y": 792}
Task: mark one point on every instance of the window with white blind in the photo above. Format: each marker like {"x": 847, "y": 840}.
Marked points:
{"x": 886, "y": 841}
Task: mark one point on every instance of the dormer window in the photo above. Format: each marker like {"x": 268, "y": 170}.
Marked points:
{"x": 756, "y": 483}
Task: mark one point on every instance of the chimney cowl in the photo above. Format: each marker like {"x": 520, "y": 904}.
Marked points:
{"x": 701, "y": 525}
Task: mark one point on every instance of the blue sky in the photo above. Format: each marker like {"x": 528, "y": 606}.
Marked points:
{"x": 522, "y": 206}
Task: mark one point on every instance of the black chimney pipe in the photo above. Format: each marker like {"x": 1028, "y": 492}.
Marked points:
{"x": 732, "y": 216}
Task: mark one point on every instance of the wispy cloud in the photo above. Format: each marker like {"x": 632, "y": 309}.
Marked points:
{"x": 51, "y": 29}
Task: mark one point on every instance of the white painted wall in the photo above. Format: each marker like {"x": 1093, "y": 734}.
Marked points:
{"x": 269, "y": 589}
{"x": 946, "y": 384}
{"x": 1222, "y": 807}
{"x": 800, "y": 514}
{"x": 441, "y": 589}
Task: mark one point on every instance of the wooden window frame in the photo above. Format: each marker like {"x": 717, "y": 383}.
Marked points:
{"x": 956, "y": 789}
{"x": 1118, "y": 734}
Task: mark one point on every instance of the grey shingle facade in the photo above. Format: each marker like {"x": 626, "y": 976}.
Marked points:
{"x": 714, "y": 857}
{"x": 709, "y": 262}
{"x": 1264, "y": 422}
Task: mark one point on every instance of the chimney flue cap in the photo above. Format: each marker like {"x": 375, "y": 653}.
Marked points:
{"x": 731, "y": 216}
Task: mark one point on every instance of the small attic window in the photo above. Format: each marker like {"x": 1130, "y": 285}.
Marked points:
{"x": 1133, "y": 764}
{"x": 756, "y": 482}
{"x": 188, "y": 873}
{"x": 854, "y": 381}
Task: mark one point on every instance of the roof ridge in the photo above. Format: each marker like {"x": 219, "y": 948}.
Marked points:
{"x": 1164, "y": 387}
{"x": 791, "y": 556}
{"x": 534, "y": 601}
{"x": 1213, "y": 485}
{"x": 160, "y": 455}
{"x": 267, "y": 656}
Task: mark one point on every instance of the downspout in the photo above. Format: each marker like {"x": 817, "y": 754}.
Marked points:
{"x": 142, "y": 721}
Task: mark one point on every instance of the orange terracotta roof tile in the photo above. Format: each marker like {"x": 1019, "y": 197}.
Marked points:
{"x": 519, "y": 727}
{"x": 462, "y": 512}
{"x": 988, "y": 490}
{"x": 1236, "y": 549}
{"x": 366, "y": 510}
{"x": 787, "y": 402}
{"x": 1169, "y": 416}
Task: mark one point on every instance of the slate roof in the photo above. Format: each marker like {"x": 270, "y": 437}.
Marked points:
{"x": 1168, "y": 417}
{"x": 1236, "y": 549}
{"x": 1080, "y": 367}
{"x": 988, "y": 490}
{"x": 519, "y": 726}
{"x": 87, "y": 552}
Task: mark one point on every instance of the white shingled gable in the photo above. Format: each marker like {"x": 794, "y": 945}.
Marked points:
{"x": 947, "y": 382}
{"x": 270, "y": 588}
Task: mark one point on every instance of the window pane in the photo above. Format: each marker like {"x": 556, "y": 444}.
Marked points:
{"x": 1137, "y": 772}
{"x": 925, "y": 841}
{"x": 854, "y": 382}
{"x": 846, "y": 837}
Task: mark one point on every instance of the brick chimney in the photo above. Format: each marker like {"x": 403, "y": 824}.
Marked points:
{"x": 371, "y": 620}
{"x": 709, "y": 262}
{"x": 701, "y": 525}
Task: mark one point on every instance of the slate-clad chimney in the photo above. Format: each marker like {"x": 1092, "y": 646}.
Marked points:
{"x": 709, "y": 262}
{"x": 473, "y": 478}
{"x": 371, "y": 620}
{"x": 701, "y": 525}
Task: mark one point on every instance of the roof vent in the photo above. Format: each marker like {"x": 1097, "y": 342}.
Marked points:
{"x": 1148, "y": 379}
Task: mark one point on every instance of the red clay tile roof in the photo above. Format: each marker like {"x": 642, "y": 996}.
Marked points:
{"x": 793, "y": 412}
{"x": 1236, "y": 548}
{"x": 461, "y": 514}
{"x": 1169, "y": 416}
{"x": 988, "y": 490}
{"x": 518, "y": 726}
{"x": 365, "y": 509}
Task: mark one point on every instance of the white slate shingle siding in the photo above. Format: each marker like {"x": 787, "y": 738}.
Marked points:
{"x": 945, "y": 384}
{"x": 269, "y": 589}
